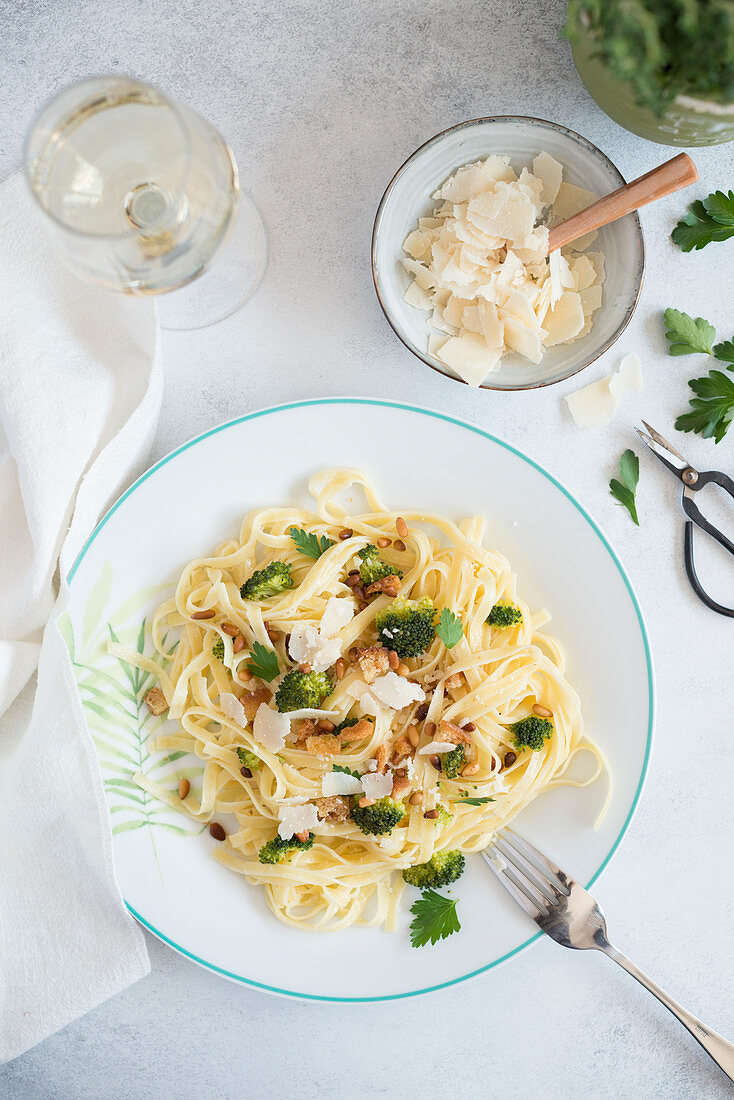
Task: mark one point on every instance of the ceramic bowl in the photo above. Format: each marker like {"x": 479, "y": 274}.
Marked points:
{"x": 408, "y": 197}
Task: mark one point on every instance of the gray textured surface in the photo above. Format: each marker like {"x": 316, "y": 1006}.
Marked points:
{"x": 322, "y": 101}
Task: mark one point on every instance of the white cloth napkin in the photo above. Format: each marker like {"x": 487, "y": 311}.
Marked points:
{"x": 80, "y": 393}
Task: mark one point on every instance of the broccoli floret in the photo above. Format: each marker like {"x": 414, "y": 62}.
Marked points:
{"x": 441, "y": 869}
{"x": 218, "y": 649}
{"x": 452, "y": 762}
{"x": 407, "y": 626}
{"x": 443, "y": 816}
{"x": 373, "y": 568}
{"x": 504, "y": 614}
{"x": 381, "y": 817}
{"x": 270, "y": 581}
{"x": 302, "y": 689}
{"x": 531, "y": 733}
{"x": 248, "y": 759}
{"x": 278, "y": 849}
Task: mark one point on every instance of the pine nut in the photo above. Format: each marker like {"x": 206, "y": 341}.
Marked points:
{"x": 274, "y": 635}
{"x": 233, "y": 631}
{"x": 435, "y": 761}
{"x": 398, "y": 545}
{"x": 403, "y": 670}
{"x": 302, "y": 836}
{"x": 422, "y": 712}
{"x": 429, "y": 729}
{"x": 364, "y": 802}
{"x": 382, "y": 543}
{"x": 393, "y": 659}
{"x": 346, "y": 533}
{"x": 353, "y": 580}
{"x": 469, "y": 727}
{"x": 510, "y": 758}
{"x": 217, "y": 831}
{"x": 353, "y": 655}
{"x": 239, "y": 644}
{"x": 413, "y": 735}
{"x": 431, "y": 815}
{"x": 340, "y": 668}
{"x": 204, "y": 614}
{"x": 244, "y": 675}
{"x": 305, "y": 667}
{"x": 470, "y": 769}
{"x": 183, "y": 788}
{"x": 401, "y": 527}
{"x": 353, "y": 573}
{"x": 416, "y": 798}
{"x": 542, "y": 712}
{"x": 246, "y": 772}
{"x": 325, "y": 724}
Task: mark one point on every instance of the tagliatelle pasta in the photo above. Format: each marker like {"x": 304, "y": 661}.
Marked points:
{"x": 488, "y": 681}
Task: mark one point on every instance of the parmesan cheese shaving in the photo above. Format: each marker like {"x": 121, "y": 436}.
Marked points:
{"x": 340, "y": 783}
{"x": 376, "y": 785}
{"x": 270, "y": 727}
{"x": 296, "y": 819}
{"x": 396, "y": 692}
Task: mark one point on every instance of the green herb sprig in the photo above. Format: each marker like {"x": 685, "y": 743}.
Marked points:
{"x": 707, "y": 220}
{"x": 263, "y": 662}
{"x": 624, "y": 491}
{"x": 309, "y": 544}
{"x": 686, "y": 336}
{"x": 473, "y": 801}
{"x": 449, "y": 628}
{"x": 712, "y": 409}
{"x": 345, "y": 771}
{"x": 435, "y": 918}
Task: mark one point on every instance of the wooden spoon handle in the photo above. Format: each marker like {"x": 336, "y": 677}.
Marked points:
{"x": 661, "y": 181}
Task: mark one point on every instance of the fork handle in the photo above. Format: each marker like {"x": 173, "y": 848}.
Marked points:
{"x": 715, "y": 1045}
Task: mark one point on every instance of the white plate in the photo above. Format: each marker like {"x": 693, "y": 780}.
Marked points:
{"x": 196, "y": 497}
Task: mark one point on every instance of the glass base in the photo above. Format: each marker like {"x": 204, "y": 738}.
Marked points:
{"x": 234, "y": 276}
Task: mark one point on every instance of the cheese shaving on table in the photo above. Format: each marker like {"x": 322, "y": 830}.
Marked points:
{"x": 595, "y": 404}
{"x": 480, "y": 265}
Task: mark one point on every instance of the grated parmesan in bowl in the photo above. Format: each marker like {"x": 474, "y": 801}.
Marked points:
{"x": 480, "y": 267}
{"x": 459, "y": 254}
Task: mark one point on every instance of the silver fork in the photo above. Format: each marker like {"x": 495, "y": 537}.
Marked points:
{"x": 571, "y": 916}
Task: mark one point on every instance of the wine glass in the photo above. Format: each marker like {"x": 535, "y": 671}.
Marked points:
{"x": 139, "y": 194}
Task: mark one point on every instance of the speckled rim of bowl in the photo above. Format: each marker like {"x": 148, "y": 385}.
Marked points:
{"x": 542, "y": 122}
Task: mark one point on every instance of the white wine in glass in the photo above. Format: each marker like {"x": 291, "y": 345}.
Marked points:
{"x": 140, "y": 194}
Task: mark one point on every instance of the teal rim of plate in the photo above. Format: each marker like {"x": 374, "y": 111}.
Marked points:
{"x": 628, "y": 584}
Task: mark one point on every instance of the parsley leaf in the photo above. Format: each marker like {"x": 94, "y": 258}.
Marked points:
{"x": 707, "y": 220}
{"x": 624, "y": 491}
{"x": 713, "y": 407}
{"x": 435, "y": 919}
{"x": 263, "y": 662}
{"x": 346, "y": 771}
{"x": 309, "y": 544}
{"x": 473, "y": 801}
{"x": 687, "y": 336}
{"x": 449, "y": 628}
{"x": 725, "y": 352}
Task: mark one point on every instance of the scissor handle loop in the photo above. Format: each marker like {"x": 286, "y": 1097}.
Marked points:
{"x": 692, "y": 511}
{"x": 693, "y": 575}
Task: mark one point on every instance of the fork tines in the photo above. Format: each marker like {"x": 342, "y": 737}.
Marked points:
{"x": 533, "y": 880}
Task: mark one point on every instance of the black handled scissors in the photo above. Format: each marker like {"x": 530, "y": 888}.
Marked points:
{"x": 693, "y": 480}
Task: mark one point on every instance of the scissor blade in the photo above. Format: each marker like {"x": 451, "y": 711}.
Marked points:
{"x": 663, "y": 450}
